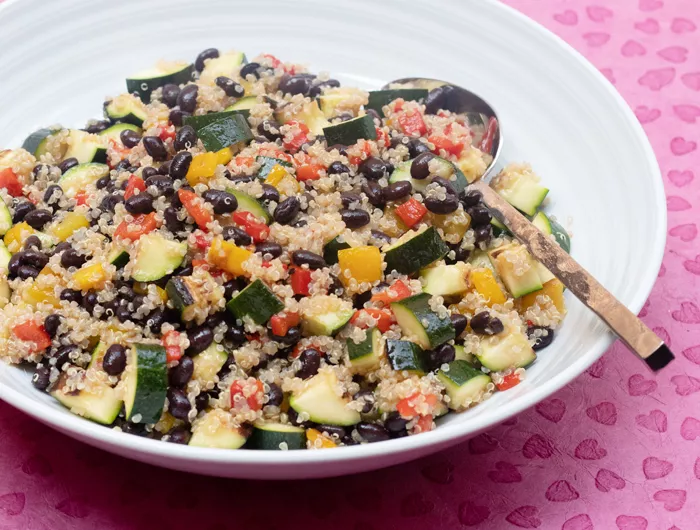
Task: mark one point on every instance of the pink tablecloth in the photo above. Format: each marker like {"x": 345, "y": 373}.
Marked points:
{"x": 615, "y": 449}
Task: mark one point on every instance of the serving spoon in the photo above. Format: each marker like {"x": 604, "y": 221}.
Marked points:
{"x": 641, "y": 340}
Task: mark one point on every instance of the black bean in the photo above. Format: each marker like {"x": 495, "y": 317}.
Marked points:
{"x": 179, "y": 165}
{"x": 89, "y": 302}
{"x": 51, "y": 324}
{"x": 162, "y": 183}
{"x": 480, "y": 215}
{"x": 395, "y": 423}
{"x": 201, "y": 338}
{"x": 342, "y": 149}
{"x": 201, "y": 402}
{"x": 375, "y": 115}
{"x": 21, "y": 210}
{"x": 250, "y": 68}
{"x": 300, "y": 223}
{"x": 349, "y": 197}
{"x": 459, "y": 322}
{"x": 103, "y": 182}
{"x": 155, "y": 320}
{"x": 296, "y": 84}
{"x": 334, "y": 431}
{"x": 26, "y": 271}
{"x": 269, "y": 247}
{"x": 416, "y": 147}
{"x": 139, "y": 204}
{"x": 98, "y": 126}
{"x": 471, "y": 198}
{"x": 375, "y": 193}
{"x": 482, "y": 234}
{"x": 61, "y": 247}
{"x": 371, "y": 433}
{"x": 336, "y": 287}
{"x": 169, "y": 94}
{"x": 38, "y": 218}
{"x": 129, "y": 138}
{"x": 381, "y": 236}
{"x": 155, "y": 147}
{"x": 230, "y": 87}
{"x": 359, "y": 300}
{"x": 448, "y": 205}
{"x": 355, "y": 218}
{"x": 449, "y": 188}
{"x": 114, "y": 360}
{"x": 317, "y": 90}
{"x": 187, "y": 99}
{"x": 398, "y": 190}
{"x": 443, "y": 354}
{"x": 310, "y": 360}
{"x": 16, "y": 261}
{"x": 110, "y": 201}
{"x": 200, "y": 61}
{"x": 345, "y": 116}
{"x": 38, "y": 169}
{"x": 68, "y": 163}
{"x": 222, "y": 201}
{"x": 184, "y": 271}
{"x": 419, "y": 166}
{"x": 62, "y": 355}
{"x": 542, "y": 340}
{"x": 35, "y": 259}
{"x": 293, "y": 416}
{"x": 177, "y": 115}
{"x": 178, "y": 435}
{"x": 52, "y": 195}
{"x": 71, "y": 295}
{"x": 267, "y": 128}
{"x": 185, "y": 138}
{"x": 287, "y": 210}
{"x": 32, "y": 242}
{"x": 366, "y": 396}
{"x": 235, "y": 335}
{"x": 306, "y": 257}
{"x": 239, "y": 236}
{"x": 270, "y": 194}
{"x": 124, "y": 165}
{"x": 172, "y": 222}
{"x": 178, "y": 404}
{"x": 484, "y": 324}
{"x": 213, "y": 320}
{"x": 373, "y": 168}
{"x": 41, "y": 377}
{"x": 336, "y": 168}
{"x": 292, "y": 337}
{"x": 179, "y": 375}
{"x": 275, "y": 396}
{"x": 441, "y": 98}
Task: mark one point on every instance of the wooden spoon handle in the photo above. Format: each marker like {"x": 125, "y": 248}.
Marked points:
{"x": 630, "y": 329}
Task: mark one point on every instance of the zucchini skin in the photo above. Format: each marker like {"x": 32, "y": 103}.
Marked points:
{"x": 416, "y": 253}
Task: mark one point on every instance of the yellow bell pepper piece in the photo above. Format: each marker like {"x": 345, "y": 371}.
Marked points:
{"x": 364, "y": 264}
{"x": 15, "y": 236}
{"x": 553, "y": 289}
{"x": 142, "y": 288}
{"x": 202, "y": 167}
{"x": 71, "y": 222}
{"x": 228, "y": 257}
{"x": 486, "y": 285}
{"x": 276, "y": 174}
{"x": 224, "y": 156}
{"x": 91, "y": 277}
{"x": 41, "y": 291}
{"x": 312, "y": 435}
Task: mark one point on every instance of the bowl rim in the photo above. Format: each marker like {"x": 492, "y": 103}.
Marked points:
{"x": 443, "y": 436}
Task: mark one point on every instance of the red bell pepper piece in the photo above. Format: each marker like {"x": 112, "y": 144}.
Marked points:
{"x": 411, "y": 212}
{"x": 300, "y": 280}
{"x": 487, "y": 141}
{"x": 134, "y": 183}
{"x": 297, "y": 140}
{"x": 411, "y": 122}
{"x": 10, "y": 182}
{"x": 141, "y": 225}
{"x": 250, "y": 392}
{"x": 194, "y": 205}
{"x": 254, "y": 228}
{"x": 281, "y": 322}
{"x": 30, "y": 331}
{"x": 509, "y": 381}
{"x": 309, "y": 172}
{"x": 171, "y": 343}
{"x": 384, "y": 318}
{"x": 397, "y": 291}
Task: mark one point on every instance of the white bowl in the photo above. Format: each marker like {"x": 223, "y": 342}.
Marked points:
{"x": 60, "y": 59}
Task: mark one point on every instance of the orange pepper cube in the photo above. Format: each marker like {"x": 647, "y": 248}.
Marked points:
{"x": 363, "y": 264}
{"x": 486, "y": 285}
{"x": 228, "y": 257}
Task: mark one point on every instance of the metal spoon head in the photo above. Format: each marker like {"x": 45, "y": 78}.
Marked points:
{"x": 459, "y": 100}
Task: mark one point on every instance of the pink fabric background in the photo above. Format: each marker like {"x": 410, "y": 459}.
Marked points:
{"x": 615, "y": 449}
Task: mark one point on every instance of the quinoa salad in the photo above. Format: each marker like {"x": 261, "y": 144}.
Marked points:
{"x": 243, "y": 254}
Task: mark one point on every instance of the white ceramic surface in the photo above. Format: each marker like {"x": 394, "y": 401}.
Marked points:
{"x": 60, "y": 59}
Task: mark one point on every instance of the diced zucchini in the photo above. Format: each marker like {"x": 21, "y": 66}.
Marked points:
{"x": 208, "y": 363}
{"x": 267, "y": 163}
{"x": 145, "y": 383}
{"x": 331, "y": 249}
{"x": 79, "y": 177}
{"x": 365, "y": 356}
{"x": 35, "y": 143}
{"x": 464, "y": 384}
{"x": 420, "y": 323}
{"x": 230, "y": 131}
{"x": 156, "y": 257}
{"x": 480, "y": 260}
{"x": 509, "y": 349}
{"x": 440, "y": 168}
{"x": 86, "y": 147}
{"x": 5, "y": 256}
{"x": 98, "y": 402}
{"x": 461, "y": 354}
{"x": 118, "y": 257}
{"x": 277, "y": 436}
{"x": 517, "y": 269}
{"x": 379, "y": 98}
{"x": 182, "y": 293}
{"x": 126, "y": 108}
{"x": 243, "y": 105}
{"x": 349, "y": 132}
{"x": 522, "y": 189}
{"x": 414, "y": 251}
{"x": 5, "y": 291}
{"x": 499, "y": 228}
{"x": 5, "y": 218}
{"x": 406, "y": 355}
{"x": 320, "y": 400}
{"x": 227, "y": 65}
{"x": 248, "y": 203}
{"x": 326, "y": 316}
{"x": 256, "y": 301}
{"x": 446, "y": 280}
{"x": 98, "y": 352}
{"x": 114, "y": 132}
{"x": 200, "y": 121}
{"x": 551, "y": 227}
{"x": 147, "y": 81}
{"x": 215, "y": 429}
{"x": 309, "y": 114}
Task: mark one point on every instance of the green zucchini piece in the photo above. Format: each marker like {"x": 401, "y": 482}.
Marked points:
{"x": 86, "y": 147}
{"x": 79, "y": 177}
{"x": 208, "y": 363}
{"x": 379, "y": 98}
{"x": 256, "y": 301}
{"x": 517, "y": 269}
{"x": 101, "y": 403}
{"x": 98, "y": 352}
{"x": 505, "y": 350}
{"x": 5, "y": 291}
{"x": 5, "y": 218}
{"x": 118, "y": 257}
{"x": 499, "y": 228}
{"x": 442, "y": 168}
{"x": 35, "y": 143}
{"x": 319, "y": 399}
{"x": 415, "y": 252}
{"x": 145, "y": 383}
{"x": 349, "y": 132}
{"x": 5, "y": 256}
{"x": 464, "y": 384}
{"x": 277, "y": 436}
{"x": 420, "y": 323}
{"x": 156, "y": 257}
{"x": 114, "y": 132}
{"x": 227, "y": 64}
{"x": 406, "y": 355}
{"x": 328, "y": 316}
{"x": 523, "y": 190}
{"x": 215, "y": 430}
{"x": 267, "y": 163}
{"x": 461, "y": 354}
{"x": 365, "y": 356}
{"x": 248, "y": 203}
{"x": 146, "y": 81}
{"x": 331, "y": 249}
{"x": 230, "y": 131}
{"x": 126, "y": 108}
{"x": 201, "y": 121}
{"x": 243, "y": 105}
{"x": 551, "y": 227}
{"x": 183, "y": 295}
{"x": 446, "y": 280}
